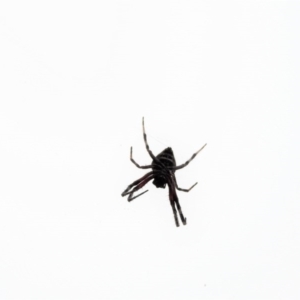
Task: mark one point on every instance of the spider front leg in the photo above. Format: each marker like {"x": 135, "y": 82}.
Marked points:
{"x": 174, "y": 212}
{"x": 139, "y": 184}
{"x": 175, "y": 203}
{"x": 141, "y": 167}
{"x": 183, "y": 219}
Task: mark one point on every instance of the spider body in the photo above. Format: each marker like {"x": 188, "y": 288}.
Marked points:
{"x": 160, "y": 166}
{"x": 163, "y": 173}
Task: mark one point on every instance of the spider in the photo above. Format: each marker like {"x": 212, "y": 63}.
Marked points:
{"x": 163, "y": 173}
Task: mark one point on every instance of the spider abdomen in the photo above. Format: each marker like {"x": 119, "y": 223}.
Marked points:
{"x": 161, "y": 167}
{"x": 165, "y": 159}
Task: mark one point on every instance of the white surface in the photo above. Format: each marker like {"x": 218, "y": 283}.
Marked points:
{"x": 76, "y": 79}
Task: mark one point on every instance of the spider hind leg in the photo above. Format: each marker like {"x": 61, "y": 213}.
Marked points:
{"x": 146, "y": 142}
{"x": 188, "y": 161}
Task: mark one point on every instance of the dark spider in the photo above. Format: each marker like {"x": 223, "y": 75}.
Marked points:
{"x": 163, "y": 172}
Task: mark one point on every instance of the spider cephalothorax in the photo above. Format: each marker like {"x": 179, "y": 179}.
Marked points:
{"x": 163, "y": 173}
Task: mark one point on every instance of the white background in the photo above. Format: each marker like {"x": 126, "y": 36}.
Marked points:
{"x": 76, "y": 78}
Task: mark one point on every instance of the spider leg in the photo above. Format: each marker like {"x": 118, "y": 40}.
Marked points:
{"x": 174, "y": 212}
{"x": 139, "y": 184}
{"x": 141, "y": 167}
{"x": 146, "y": 143}
{"x": 180, "y": 189}
{"x": 188, "y": 161}
{"x": 175, "y": 200}
{"x": 183, "y": 219}
{"x": 172, "y": 197}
